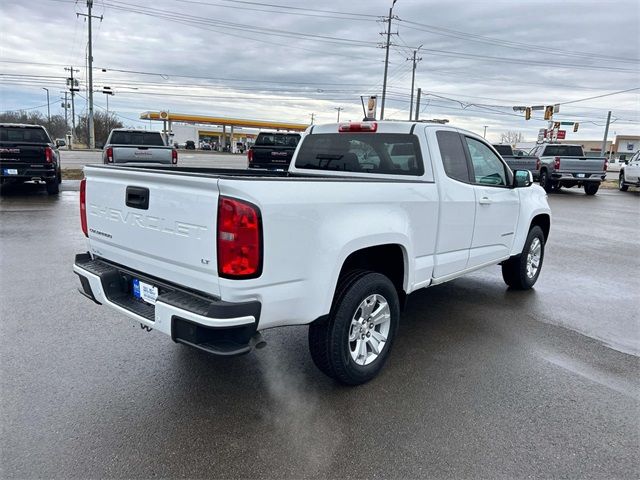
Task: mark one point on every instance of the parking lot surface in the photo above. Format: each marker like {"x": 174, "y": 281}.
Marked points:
{"x": 482, "y": 382}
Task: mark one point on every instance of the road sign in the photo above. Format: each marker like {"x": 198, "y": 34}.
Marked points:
{"x": 537, "y": 107}
{"x": 556, "y": 108}
{"x": 562, "y": 134}
{"x": 567, "y": 123}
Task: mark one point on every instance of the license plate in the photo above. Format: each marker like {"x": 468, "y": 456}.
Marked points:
{"x": 10, "y": 171}
{"x": 145, "y": 291}
{"x": 580, "y": 175}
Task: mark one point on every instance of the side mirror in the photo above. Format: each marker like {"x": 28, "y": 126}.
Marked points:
{"x": 60, "y": 143}
{"x": 522, "y": 178}
{"x": 626, "y": 162}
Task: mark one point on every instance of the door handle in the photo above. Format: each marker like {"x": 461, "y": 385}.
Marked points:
{"x": 137, "y": 197}
{"x": 485, "y": 201}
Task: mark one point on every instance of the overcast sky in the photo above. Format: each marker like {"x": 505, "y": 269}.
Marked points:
{"x": 284, "y": 59}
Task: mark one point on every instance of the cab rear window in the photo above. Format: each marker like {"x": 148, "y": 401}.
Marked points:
{"x": 383, "y": 153}
{"x": 278, "y": 139}
{"x": 24, "y": 135}
{"x": 137, "y": 138}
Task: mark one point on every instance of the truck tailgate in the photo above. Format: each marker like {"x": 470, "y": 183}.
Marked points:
{"x": 521, "y": 163}
{"x": 151, "y": 154}
{"x": 158, "y": 224}
{"x": 582, "y": 164}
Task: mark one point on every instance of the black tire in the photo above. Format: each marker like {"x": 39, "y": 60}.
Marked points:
{"x": 514, "y": 270}
{"x": 621, "y": 186}
{"x": 329, "y": 338}
{"x": 53, "y": 187}
{"x": 545, "y": 181}
{"x": 59, "y": 176}
{"x": 591, "y": 188}
{"x": 555, "y": 186}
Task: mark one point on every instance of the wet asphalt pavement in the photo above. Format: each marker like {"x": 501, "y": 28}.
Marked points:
{"x": 482, "y": 383}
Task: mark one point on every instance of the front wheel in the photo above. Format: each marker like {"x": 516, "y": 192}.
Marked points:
{"x": 621, "y": 186}
{"x": 591, "y": 188}
{"x": 353, "y": 343}
{"x": 522, "y": 271}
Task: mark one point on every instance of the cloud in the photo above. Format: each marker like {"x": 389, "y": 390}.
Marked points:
{"x": 224, "y": 57}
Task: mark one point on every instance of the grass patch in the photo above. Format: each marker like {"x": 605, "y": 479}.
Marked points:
{"x": 72, "y": 174}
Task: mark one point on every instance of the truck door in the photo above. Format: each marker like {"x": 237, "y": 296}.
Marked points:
{"x": 497, "y": 205}
{"x": 632, "y": 171}
{"x": 457, "y": 207}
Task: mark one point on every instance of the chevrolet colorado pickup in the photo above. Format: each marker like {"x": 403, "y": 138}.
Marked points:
{"x": 273, "y": 150}
{"x": 366, "y": 214}
{"x": 564, "y": 165}
{"x": 28, "y": 154}
{"x": 516, "y": 161}
{"x": 138, "y": 147}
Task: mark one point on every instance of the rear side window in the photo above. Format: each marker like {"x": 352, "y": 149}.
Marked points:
{"x": 137, "y": 138}
{"x": 383, "y": 153}
{"x": 453, "y": 155}
{"x": 563, "y": 151}
{"x": 278, "y": 139}
{"x": 26, "y": 135}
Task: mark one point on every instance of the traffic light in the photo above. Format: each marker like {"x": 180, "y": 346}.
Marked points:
{"x": 575, "y": 127}
{"x": 548, "y": 112}
{"x": 527, "y": 113}
{"x": 556, "y": 125}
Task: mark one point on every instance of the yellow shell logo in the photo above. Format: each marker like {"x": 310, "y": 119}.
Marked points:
{"x": 164, "y": 115}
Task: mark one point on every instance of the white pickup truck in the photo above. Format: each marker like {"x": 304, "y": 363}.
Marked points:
{"x": 130, "y": 146}
{"x": 366, "y": 214}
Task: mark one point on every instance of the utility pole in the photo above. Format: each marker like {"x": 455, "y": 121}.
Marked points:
{"x": 413, "y": 79}
{"x": 48, "y": 104}
{"x": 484, "y": 135}
{"x": 65, "y": 105}
{"x": 338, "y": 109}
{"x": 313, "y": 116}
{"x": 73, "y": 88}
{"x": 386, "y": 60}
{"x": 606, "y": 134}
{"x": 92, "y": 138}
{"x": 418, "y": 104}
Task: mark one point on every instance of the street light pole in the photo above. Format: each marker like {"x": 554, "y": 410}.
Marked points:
{"x": 338, "y": 109}
{"x": 48, "y": 104}
{"x": 484, "y": 135}
{"x": 386, "y": 61}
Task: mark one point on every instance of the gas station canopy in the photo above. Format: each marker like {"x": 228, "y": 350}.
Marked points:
{"x": 222, "y": 121}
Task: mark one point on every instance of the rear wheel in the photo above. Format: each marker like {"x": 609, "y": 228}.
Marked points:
{"x": 621, "y": 186}
{"x": 522, "y": 271}
{"x": 53, "y": 187}
{"x": 353, "y": 343}
{"x": 545, "y": 181}
{"x": 591, "y": 188}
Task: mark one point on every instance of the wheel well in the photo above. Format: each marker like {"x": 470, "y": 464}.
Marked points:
{"x": 385, "y": 259}
{"x": 544, "y": 222}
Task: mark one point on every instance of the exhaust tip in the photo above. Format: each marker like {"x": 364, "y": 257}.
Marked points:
{"x": 257, "y": 341}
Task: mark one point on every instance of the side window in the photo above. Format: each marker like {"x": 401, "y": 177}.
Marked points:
{"x": 453, "y": 157}
{"x": 488, "y": 169}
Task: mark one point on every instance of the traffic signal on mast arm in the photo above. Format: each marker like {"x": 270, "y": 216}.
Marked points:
{"x": 548, "y": 112}
{"x": 527, "y": 113}
{"x": 575, "y": 127}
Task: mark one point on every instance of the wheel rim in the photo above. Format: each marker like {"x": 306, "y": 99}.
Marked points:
{"x": 543, "y": 179}
{"x": 533, "y": 257}
{"x": 369, "y": 329}
{"x": 620, "y": 181}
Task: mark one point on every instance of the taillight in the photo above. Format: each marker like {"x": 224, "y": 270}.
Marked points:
{"x": 109, "y": 155}
{"x": 174, "y": 156}
{"x": 358, "y": 127}
{"x": 48, "y": 155}
{"x": 83, "y": 206}
{"x": 250, "y": 155}
{"x": 537, "y": 164}
{"x": 606, "y": 164}
{"x": 556, "y": 163}
{"x": 239, "y": 239}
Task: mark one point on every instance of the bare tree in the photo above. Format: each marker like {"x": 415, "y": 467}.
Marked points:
{"x": 56, "y": 127}
{"x": 511, "y": 137}
{"x": 102, "y": 125}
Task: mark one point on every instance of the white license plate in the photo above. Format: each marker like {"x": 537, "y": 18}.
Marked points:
{"x": 580, "y": 175}
{"x": 145, "y": 291}
{"x": 10, "y": 171}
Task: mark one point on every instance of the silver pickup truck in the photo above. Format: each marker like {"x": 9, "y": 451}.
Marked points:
{"x": 518, "y": 162}
{"x": 137, "y": 147}
{"x": 564, "y": 165}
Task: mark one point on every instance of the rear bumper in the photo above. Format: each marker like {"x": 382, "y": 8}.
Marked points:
{"x": 27, "y": 171}
{"x": 575, "y": 177}
{"x": 192, "y": 318}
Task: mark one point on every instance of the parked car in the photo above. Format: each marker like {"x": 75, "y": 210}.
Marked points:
{"x": 27, "y": 153}
{"x": 205, "y": 146}
{"x": 630, "y": 173}
{"x": 273, "y": 150}
{"x": 127, "y": 146}
{"x": 213, "y": 257}
{"x": 565, "y": 165}
{"x": 517, "y": 161}
{"x": 190, "y": 145}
